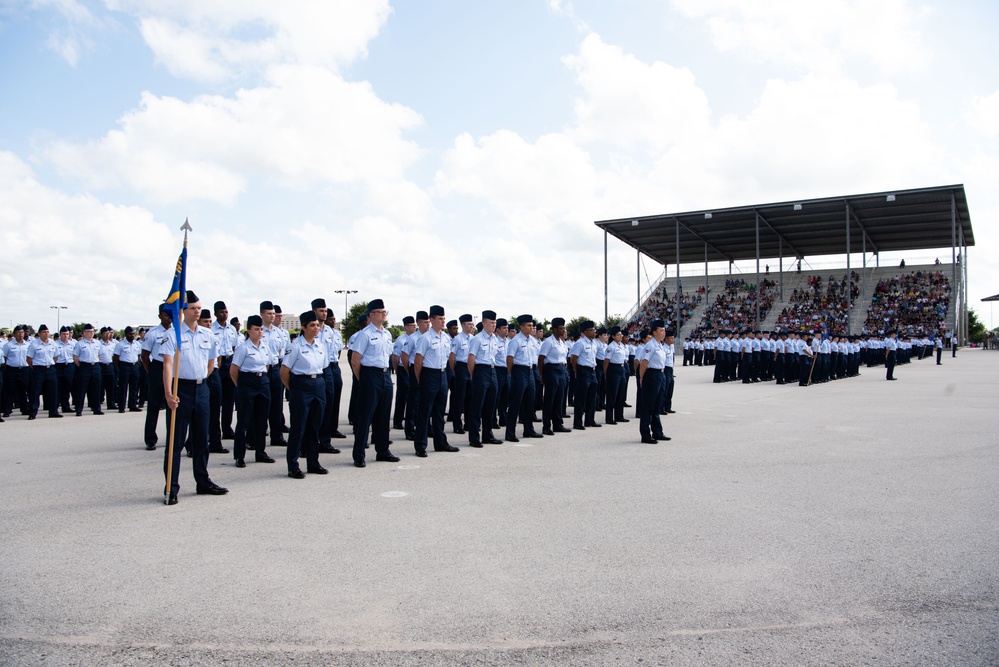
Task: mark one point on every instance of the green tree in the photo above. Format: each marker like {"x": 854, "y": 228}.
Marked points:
{"x": 612, "y": 321}
{"x": 572, "y": 326}
{"x": 350, "y": 322}
{"x": 976, "y": 328}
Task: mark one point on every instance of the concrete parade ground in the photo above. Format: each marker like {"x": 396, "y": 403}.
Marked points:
{"x": 849, "y": 523}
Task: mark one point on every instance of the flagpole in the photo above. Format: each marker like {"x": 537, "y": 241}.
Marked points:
{"x": 176, "y": 381}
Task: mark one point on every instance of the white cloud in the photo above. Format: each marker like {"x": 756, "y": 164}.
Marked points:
{"x": 307, "y": 127}
{"x": 211, "y": 41}
{"x": 814, "y": 36}
{"x": 983, "y": 114}
{"x": 75, "y": 35}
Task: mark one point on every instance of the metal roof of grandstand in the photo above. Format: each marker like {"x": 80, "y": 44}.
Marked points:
{"x": 886, "y": 221}
{"x": 994, "y": 297}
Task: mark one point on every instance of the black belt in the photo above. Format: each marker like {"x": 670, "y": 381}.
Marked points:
{"x": 654, "y": 370}
{"x": 374, "y": 368}
{"x": 126, "y": 363}
{"x": 82, "y": 363}
{"x": 611, "y": 363}
{"x": 554, "y": 364}
{"x": 255, "y": 374}
{"x": 189, "y": 382}
{"x": 42, "y": 365}
{"x": 463, "y": 363}
{"x": 227, "y": 358}
{"x": 310, "y": 376}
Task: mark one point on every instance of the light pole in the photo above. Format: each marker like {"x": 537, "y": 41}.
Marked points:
{"x": 346, "y": 293}
{"x": 58, "y": 310}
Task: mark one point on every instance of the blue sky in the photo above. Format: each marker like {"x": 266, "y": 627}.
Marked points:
{"x": 454, "y": 152}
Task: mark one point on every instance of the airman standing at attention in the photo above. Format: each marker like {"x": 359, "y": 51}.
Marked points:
{"x": 519, "y": 359}
{"x": 227, "y": 339}
{"x": 600, "y": 345}
{"x": 152, "y": 360}
{"x": 65, "y": 368}
{"x": 88, "y": 377}
{"x": 502, "y": 377}
{"x": 651, "y": 373}
{"x": 329, "y": 337}
{"x": 41, "y": 358}
{"x": 408, "y": 359}
{"x": 459, "y": 364}
{"x": 302, "y": 375}
{"x": 482, "y": 350}
{"x": 273, "y": 338}
{"x": 214, "y": 392}
{"x": 126, "y": 358}
{"x": 18, "y": 381}
{"x": 401, "y": 373}
{"x": 191, "y": 402}
{"x": 583, "y": 357}
{"x": 430, "y": 359}
{"x": 370, "y": 365}
{"x": 362, "y": 322}
{"x": 552, "y": 358}
{"x": 615, "y": 359}
{"x": 106, "y": 364}
{"x": 248, "y": 372}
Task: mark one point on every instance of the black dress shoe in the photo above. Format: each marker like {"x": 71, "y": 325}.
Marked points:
{"x": 622, "y": 419}
{"x": 121, "y": 410}
{"x": 240, "y": 463}
{"x": 389, "y": 442}
{"x": 547, "y": 431}
{"x": 578, "y": 428}
{"x": 533, "y": 434}
{"x": 662, "y": 437}
{"x": 172, "y": 499}
{"x": 329, "y": 449}
{"x": 317, "y": 470}
{"x": 358, "y": 463}
{"x": 296, "y": 474}
{"x": 151, "y": 448}
{"x": 337, "y": 434}
{"x": 421, "y": 453}
{"x": 398, "y": 427}
{"x": 627, "y": 405}
{"x": 262, "y": 457}
{"x": 228, "y": 436}
{"x": 671, "y": 412}
{"x": 285, "y": 429}
{"x": 387, "y": 458}
{"x": 447, "y": 448}
{"x": 218, "y": 450}
{"x": 475, "y": 444}
{"x": 279, "y": 442}
{"x": 494, "y": 441}
{"x": 99, "y": 412}
{"x": 611, "y": 422}
{"x": 136, "y": 410}
{"x": 562, "y": 429}
{"x": 593, "y": 425}
{"x": 649, "y": 441}
{"x": 459, "y": 431}
{"x": 30, "y": 417}
{"x": 512, "y": 438}
{"x": 211, "y": 490}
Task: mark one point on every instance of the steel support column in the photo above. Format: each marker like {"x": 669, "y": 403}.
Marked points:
{"x": 759, "y": 288}
{"x": 848, "y": 295}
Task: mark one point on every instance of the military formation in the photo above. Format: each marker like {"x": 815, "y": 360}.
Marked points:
{"x": 483, "y": 380}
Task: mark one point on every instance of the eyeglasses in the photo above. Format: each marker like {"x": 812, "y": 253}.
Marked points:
{"x": 380, "y": 312}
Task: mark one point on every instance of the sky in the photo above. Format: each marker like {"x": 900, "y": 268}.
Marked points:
{"x": 452, "y": 152}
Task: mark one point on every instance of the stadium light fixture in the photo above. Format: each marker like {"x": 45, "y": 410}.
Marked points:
{"x": 797, "y": 207}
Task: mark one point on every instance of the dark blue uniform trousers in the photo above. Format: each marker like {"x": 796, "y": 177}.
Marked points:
{"x": 253, "y": 404}
{"x": 615, "y": 377}
{"x": 433, "y": 401}
{"x": 653, "y": 389}
{"x": 482, "y": 405}
{"x": 43, "y": 380}
{"x": 502, "y": 396}
{"x": 276, "y": 416}
{"x": 584, "y": 405}
{"x": 192, "y": 416}
{"x": 401, "y": 396}
{"x": 128, "y": 385}
{"x": 64, "y": 376}
{"x": 307, "y": 399}
{"x": 327, "y": 427}
{"x": 462, "y": 382}
{"x": 228, "y": 396}
{"x": 108, "y": 386}
{"x": 556, "y": 380}
{"x": 521, "y": 401}
{"x": 412, "y": 404}
{"x": 156, "y": 400}
{"x": 88, "y": 383}
{"x": 374, "y": 405}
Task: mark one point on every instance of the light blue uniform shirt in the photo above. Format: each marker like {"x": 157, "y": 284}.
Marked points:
{"x": 88, "y": 352}
{"x": 554, "y": 351}
{"x": 399, "y": 344}
{"x": 656, "y": 354}
{"x": 107, "y": 351}
{"x": 409, "y": 347}
{"x": 434, "y": 348}
{"x": 197, "y": 348}
{"x": 374, "y": 345}
{"x": 890, "y": 344}
{"x": 155, "y": 338}
{"x": 275, "y": 341}
{"x": 226, "y": 338}
{"x": 65, "y": 351}
{"x": 586, "y": 351}
{"x": 304, "y": 358}
{"x": 601, "y": 349}
{"x": 459, "y": 345}
{"x": 251, "y": 358}
{"x": 42, "y": 354}
{"x": 128, "y": 352}
{"x": 17, "y": 355}
{"x": 616, "y": 352}
{"x": 484, "y": 348}
{"x": 521, "y": 350}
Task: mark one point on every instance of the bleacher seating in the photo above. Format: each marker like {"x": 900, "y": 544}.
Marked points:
{"x": 821, "y": 306}
{"x": 735, "y": 306}
{"x": 911, "y": 303}
{"x": 666, "y": 307}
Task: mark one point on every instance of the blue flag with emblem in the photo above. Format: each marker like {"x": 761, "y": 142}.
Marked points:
{"x": 177, "y": 299}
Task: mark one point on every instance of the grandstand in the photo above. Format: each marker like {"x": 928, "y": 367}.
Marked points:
{"x": 847, "y": 299}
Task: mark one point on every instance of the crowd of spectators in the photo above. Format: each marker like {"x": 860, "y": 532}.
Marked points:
{"x": 914, "y": 304}
{"x": 671, "y": 308}
{"x": 735, "y": 307}
{"x": 822, "y": 306}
